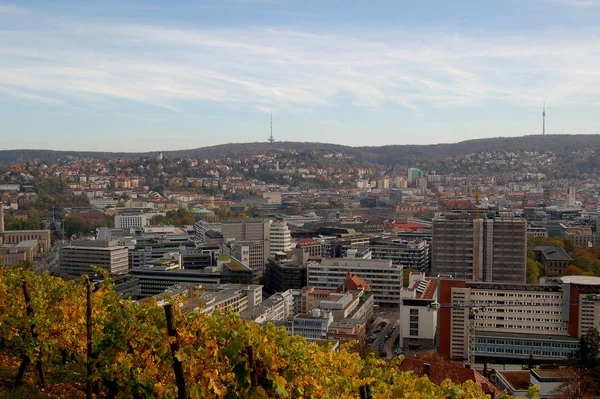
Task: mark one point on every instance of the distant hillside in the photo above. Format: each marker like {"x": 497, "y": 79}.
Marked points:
{"x": 556, "y": 143}
{"x": 390, "y": 154}
{"x": 48, "y": 156}
{"x": 232, "y": 150}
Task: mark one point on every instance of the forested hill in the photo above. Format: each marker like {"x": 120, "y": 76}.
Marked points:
{"x": 389, "y": 154}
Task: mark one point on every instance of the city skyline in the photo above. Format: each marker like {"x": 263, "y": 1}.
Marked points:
{"x": 145, "y": 77}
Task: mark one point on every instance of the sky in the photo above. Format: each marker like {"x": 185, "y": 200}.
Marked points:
{"x": 157, "y": 75}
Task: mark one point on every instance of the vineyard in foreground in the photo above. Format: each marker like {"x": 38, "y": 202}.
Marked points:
{"x": 221, "y": 356}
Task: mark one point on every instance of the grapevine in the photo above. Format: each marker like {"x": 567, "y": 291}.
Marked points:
{"x": 222, "y": 356}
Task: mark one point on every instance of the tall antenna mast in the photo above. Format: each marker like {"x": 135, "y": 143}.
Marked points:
{"x": 271, "y": 138}
{"x": 544, "y": 119}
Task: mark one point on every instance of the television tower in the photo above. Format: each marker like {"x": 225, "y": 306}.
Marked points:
{"x": 271, "y": 138}
{"x": 544, "y": 119}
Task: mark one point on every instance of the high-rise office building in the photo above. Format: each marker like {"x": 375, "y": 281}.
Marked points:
{"x": 414, "y": 174}
{"x": 245, "y": 229}
{"x": 491, "y": 250}
{"x": 280, "y": 238}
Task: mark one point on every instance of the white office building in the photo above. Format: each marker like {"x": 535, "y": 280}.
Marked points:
{"x": 127, "y": 220}
{"x": 384, "y": 277}
{"x": 76, "y": 258}
{"x": 313, "y": 325}
{"x": 280, "y": 238}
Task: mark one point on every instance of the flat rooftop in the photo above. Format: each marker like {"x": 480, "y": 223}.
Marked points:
{"x": 25, "y": 231}
{"x": 232, "y": 263}
{"x": 77, "y": 247}
{"x": 582, "y": 280}
{"x": 26, "y": 244}
{"x": 518, "y": 380}
{"x": 347, "y": 323}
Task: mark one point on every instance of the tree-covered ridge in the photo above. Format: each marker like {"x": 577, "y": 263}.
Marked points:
{"x": 131, "y": 353}
{"x": 556, "y": 156}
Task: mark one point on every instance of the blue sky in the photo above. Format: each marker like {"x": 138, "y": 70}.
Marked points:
{"x": 157, "y": 75}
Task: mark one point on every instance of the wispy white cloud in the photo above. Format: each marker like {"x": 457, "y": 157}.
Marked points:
{"x": 268, "y": 68}
{"x": 586, "y": 4}
{"x": 29, "y": 96}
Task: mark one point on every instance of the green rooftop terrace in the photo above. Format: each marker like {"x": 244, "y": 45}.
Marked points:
{"x": 232, "y": 263}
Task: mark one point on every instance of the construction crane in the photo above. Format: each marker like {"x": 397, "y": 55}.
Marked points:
{"x": 475, "y": 307}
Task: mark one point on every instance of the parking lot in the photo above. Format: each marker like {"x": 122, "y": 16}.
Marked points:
{"x": 383, "y": 332}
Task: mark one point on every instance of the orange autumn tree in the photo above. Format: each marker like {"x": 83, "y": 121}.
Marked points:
{"x": 573, "y": 270}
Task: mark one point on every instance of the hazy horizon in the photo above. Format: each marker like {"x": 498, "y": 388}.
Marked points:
{"x": 141, "y": 76}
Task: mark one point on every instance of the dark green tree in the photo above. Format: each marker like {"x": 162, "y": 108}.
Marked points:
{"x": 588, "y": 355}
{"x": 569, "y": 244}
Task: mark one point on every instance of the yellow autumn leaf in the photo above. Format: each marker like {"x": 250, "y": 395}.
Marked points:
{"x": 159, "y": 389}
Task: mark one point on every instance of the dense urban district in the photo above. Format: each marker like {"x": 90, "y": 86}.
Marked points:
{"x": 476, "y": 261}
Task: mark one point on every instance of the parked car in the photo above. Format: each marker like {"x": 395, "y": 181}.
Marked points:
{"x": 399, "y": 352}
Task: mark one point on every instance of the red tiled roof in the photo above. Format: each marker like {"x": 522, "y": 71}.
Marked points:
{"x": 407, "y": 226}
{"x": 353, "y": 282}
{"x": 438, "y": 372}
{"x": 429, "y": 291}
{"x": 459, "y": 204}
